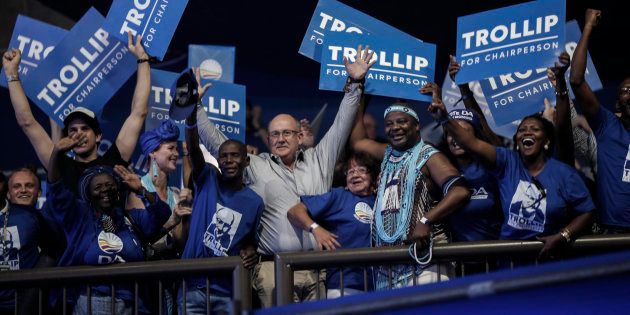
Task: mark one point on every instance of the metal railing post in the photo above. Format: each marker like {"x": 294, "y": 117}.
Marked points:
{"x": 284, "y": 281}
{"x": 242, "y": 295}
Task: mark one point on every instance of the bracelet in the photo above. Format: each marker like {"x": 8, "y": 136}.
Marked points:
{"x": 187, "y": 126}
{"x": 562, "y": 93}
{"x": 566, "y": 234}
{"x": 149, "y": 60}
{"x": 425, "y": 221}
{"x": 313, "y": 226}
{"x": 12, "y": 77}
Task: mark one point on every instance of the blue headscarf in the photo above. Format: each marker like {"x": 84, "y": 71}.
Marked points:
{"x": 151, "y": 140}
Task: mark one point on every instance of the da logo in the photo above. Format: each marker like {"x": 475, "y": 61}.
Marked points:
{"x": 210, "y": 69}
{"x": 109, "y": 242}
{"x": 363, "y": 212}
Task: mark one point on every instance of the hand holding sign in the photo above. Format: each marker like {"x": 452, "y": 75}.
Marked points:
{"x": 11, "y": 61}
{"x": 592, "y": 17}
{"x": 453, "y": 67}
{"x": 136, "y": 49}
{"x": 363, "y": 62}
{"x": 437, "y": 108}
{"x": 559, "y": 69}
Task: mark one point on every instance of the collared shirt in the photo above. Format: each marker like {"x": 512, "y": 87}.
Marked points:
{"x": 281, "y": 187}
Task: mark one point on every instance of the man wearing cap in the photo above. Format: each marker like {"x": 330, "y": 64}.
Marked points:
{"x": 289, "y": 172}
{"x": 82, "y": 122}
{"x": 418, "y": 188}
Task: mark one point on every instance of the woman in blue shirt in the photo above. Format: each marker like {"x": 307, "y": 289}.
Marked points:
{"x": 541, "y": 197}
{"x": 98, "y": 230}
{"x": 345, "y": 215}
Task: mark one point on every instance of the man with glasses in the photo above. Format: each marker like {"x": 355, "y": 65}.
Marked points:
{"x": 613, "y": 138}
{"x": 281, "y": 177}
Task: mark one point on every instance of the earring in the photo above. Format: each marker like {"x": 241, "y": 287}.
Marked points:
{"x": 518, "y": 148}
{"x": 154, "y": 166}
{"x": 546, "y": 147}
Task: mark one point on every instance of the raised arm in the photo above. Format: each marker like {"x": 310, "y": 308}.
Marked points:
{"x": 35, "y": 133}
{"x": 209, "y": 135}
{"x": 60, "y": 148}
{"x": 562, "y": 120}
{"x": 131, "y": 128}
{"x": 192, "y": 143}
{"x": 465, "y": 136}
{"x": 358, "y": 138}
{"x": 330, "y": 147}
{"x": 583, "y": 93}
{"x": 468, "y": 97}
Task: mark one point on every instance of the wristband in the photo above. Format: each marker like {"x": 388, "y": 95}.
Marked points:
{"x": 149, "y": 60}
{"x": 12, "y": 77}
{"x": 425, "y": 221}
{"x": 313, "y": 226}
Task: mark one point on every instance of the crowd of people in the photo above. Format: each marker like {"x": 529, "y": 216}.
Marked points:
{"x": 467, "y": 187}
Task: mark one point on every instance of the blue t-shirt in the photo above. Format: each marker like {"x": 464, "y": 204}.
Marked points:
{"x": 482, "y": 216}
{"x": 89, "y": 244}
{"x": 613, "y": 168}
{"x": 348, "y": 216}
{"x": 527, "y": 213}
{"x": 223, "y": 221}
{"x": 26, "y": 230}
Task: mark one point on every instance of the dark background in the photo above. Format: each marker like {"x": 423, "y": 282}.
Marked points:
{"x": 267, "y": 35}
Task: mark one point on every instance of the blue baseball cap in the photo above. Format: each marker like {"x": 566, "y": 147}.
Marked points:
{"x": 183, "y": 103}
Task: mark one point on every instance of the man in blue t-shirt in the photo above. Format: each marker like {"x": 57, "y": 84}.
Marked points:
{"x": 224, "y": 220}
{"x": 612, "y": 133}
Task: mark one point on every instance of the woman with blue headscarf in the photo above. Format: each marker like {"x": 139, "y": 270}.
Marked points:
{"x": 160, "y": 147}
{"x": 98, "y": 229}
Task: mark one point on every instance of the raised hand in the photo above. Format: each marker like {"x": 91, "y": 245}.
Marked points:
{"x": 437, "y": 107}
{"x": 361, "y": 65}
{"x": 66, "y": 144}
{"x": 550, "y": 112}
{"x": 453, "y": 67}
{"x": 560, "y": 68}
{"x": 592, "y": 17}
{"x": 201, "y": 89}
{"x": 136, "y": 49}
{"x": 131, "y": 179}
{"x": 11, "y": 61}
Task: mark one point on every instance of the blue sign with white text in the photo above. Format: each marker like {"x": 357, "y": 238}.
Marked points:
{"x": 155, "y": 20}
{"x": 401, "y": 67}
{"x": 35, "y": 39}
{"x": 451, "y": 97}
{"x": 224, "y": 103}
{"x": 515, "y": 38}
{"x": 85, "y": 69}
{"x": 331, "y": 17}
{"x": 215, "y": 63}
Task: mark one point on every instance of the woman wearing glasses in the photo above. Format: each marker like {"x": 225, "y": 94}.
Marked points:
{"x": 542, "y": 198}
{"x": 345, "y": 216}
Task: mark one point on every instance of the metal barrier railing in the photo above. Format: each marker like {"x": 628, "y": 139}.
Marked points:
{"x": 135, "y": 272}
{"x": 287, "y": 263}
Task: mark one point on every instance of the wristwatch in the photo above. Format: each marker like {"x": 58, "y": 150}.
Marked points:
{"x": 313, "y": 226}
{"x": 425, "y": 221}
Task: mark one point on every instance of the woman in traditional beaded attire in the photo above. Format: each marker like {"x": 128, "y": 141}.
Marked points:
{"x": 408, "y": 206}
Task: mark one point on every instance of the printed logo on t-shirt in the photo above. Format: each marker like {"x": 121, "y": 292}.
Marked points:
{"x": 111, "y": 244}
{"x": 528, "y": 208}
{"x": 363, "y": 212}
{"x": 391, "y": 199}
{"x": 221, "y": 231}
{"x": 626, "y": 168}
{"x": 10, "y": 247}
{"x": 480, "y": 193}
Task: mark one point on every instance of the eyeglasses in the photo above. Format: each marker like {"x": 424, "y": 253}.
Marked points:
{"x": 360, "y": 170}
{"x": 284, "y": 133}
{"x": 625, "y": 90}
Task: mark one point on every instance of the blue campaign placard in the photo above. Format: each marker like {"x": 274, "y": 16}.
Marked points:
{"x": 515, "y": 38}
{"x": 155, "y": 20}
{"x": 35, "y": 39}
{"x": 573, "y": 37}
{"x": 515, "y": 95}
{"x": 215, "y": 63}
{"x": 401, "y": 67}
{"x": 85, "y": 69}
{"x": 224, "y": 103}
{"x": 452, "y": 100}
{"x": 331, "y": 17}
